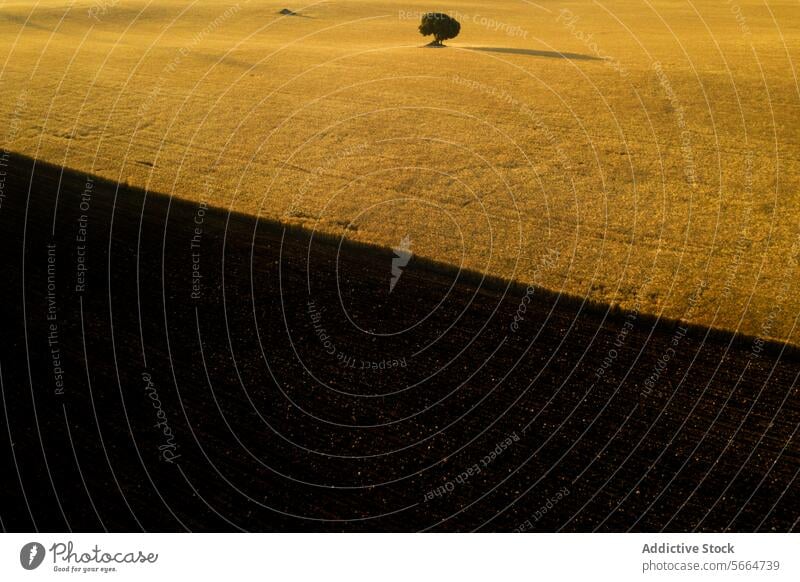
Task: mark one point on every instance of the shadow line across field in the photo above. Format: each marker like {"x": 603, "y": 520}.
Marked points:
{"x": 241, "y": 228}
{"x": 124, "y": 308}
{"x": 533, "y": 53}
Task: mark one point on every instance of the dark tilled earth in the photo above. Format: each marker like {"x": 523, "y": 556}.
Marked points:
{"x": 294, "y": 392}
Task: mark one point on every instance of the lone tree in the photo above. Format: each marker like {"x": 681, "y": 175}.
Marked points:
{"x": 440, "y": 25}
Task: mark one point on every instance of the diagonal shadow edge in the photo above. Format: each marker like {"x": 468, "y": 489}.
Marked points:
{"x": 240, "y": 225}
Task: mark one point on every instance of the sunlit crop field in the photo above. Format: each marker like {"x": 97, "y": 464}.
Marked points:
{"x": 642, "y": 154}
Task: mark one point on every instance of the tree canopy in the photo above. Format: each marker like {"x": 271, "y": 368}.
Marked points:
{"x": 440, "y": 25}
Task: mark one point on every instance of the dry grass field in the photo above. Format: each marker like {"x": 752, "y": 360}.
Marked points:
{"x": 642, "y": 153}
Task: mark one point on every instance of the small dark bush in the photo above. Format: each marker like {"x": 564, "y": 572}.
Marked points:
{"x": 440, "y": 25}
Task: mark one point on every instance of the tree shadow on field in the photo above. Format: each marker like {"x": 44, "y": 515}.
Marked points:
{"x": 533, "y": 53}
{"x": 287, "y": 12}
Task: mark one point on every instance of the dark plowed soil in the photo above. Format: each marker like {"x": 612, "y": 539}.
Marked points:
{"x": 287, "y": 388}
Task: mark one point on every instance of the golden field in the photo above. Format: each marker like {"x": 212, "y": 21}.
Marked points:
{"x": 640, "y": 153}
